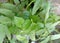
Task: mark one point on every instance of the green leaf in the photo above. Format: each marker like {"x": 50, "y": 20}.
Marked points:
{"x": 3, "y": 32}
{"x": 21, "y": 38}
{"x": 6, "y": 12}
{"x": 12, "y": 41}
{"x": 46, "y": 40}
{"x": 14, "y": 30}
{"x": 54, "y": 24}
{"x": 52, "y": 37}
{"x": 36, "y": 6}
{"x": 26, "y": 24}
{"x": 35, "y": 18}
{"x": 32, "y": 35}
{"x": 47, "y": 11}
{"x": 2, "y": 36}
{"x": 7, "y": 33}
{"x": 16, "y": 2}
{"x": 55, "y": 37}
{"x": 18, "y": 21}
{"x": 32, "y": 27}
{"x": 5, "y": 20}
{"x": 49, "y": 27}
{"x": 8, "y": 6}
{"x": 41, "y": 25}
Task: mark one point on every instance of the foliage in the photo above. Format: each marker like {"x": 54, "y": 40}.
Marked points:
{"x": 22, "y": 21}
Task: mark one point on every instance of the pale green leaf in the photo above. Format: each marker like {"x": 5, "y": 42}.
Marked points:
{"x": 47, "y": 12}
{"x": 12, "y": 41}
{"x": 41, "y": 25}
{"x": 46, "y": 40}
{"x": 55, "y": 37}
{"x": 32, "y": 35}
{"x": 22, "y": 38}
{"x": 5, "y": 20}
{"x": 2, "y": 36}
{"x": 3, "y": 32}
{"x": 8, "y": 6}
{"x": 51, "y": 26}
{"x": 54, "y": 24}
{"x": 6, "y": 12}
{"x": 7, "y": 33}
{"x": 36, "y": 6}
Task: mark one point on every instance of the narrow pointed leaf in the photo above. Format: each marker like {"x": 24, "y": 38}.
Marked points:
{"x": 36, "y": 6}
{"x": 55, "y": 37}
{"x": 46, "y": 40}
{"x": 3, "y": 32}
{"x": 47, "y": 12}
